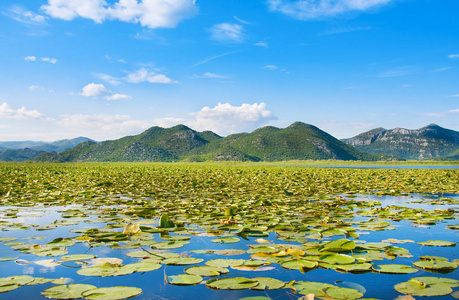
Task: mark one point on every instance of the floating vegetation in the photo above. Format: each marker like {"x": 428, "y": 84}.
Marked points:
{"x": 264, "y": 230}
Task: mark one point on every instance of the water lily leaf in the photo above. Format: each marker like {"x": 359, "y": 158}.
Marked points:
{"x": 165, "y": 222}
{"x": 112, "y": 293}
{"x": 437, "y": 243}
{"x": 236, "y": 283}
{"x": 182, "y": 261}
{"x": 8, "y": 258}
{"x": 39, "y": 280}
{"x": 74, "y": 257}
{"x": 342, "y": 293}
{"x": 132, "y": 228}
{"x": 19, "y": 280}
{"x": 144, "y": 266}
{"x": 226, "y": 240}
{"x": 229, "y": 252}
{"x": 455, "y": 294}
{"x": 354, "y": 267}
{"x": 49, "y": 263}
{"x": 268, "y": 283}
{"x": 351, "y": 285}
{"x": 338, "y": 246}
{"x": 439, "y": 280}
{"x": 224, "y": 263}
{"x": 71, "y": 291}
{"x": 8, "y": 287}
{"x": 62, "y": 280}
{"x": 394, "y": 269}
{"x": 206, "y": 271}
{"x": 299, "y": 264}
{"x": 432, "y": 265}
{"x": 340, "y": 259}
{"x": 417, "y": 287}
{"x": 184, "y": 279}
{"x": 169, "y": 245}
{"x": 309, "y": 287}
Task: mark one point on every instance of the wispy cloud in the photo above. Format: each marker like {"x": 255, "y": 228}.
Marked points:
{"x": 442, "y": 114}
{"x": 19, "y": 14}
{"x": 228, "y": 32}
{"x": 210, "y": 76}
{"x": 149, "y": 13}
{"x": 30, "y": 58}
{"x": 270, "y": 67}
{"x": 442, "y": 69}
{"x": 49, "y": 59}
{"x": 262, "y": 44}
{"x": 453, "y": 56}
{"x": 397, "y": 72}
{"x": 107, "y": 78}
{"x": 242, "y": 21}
{"x": 454, "y": 95}
{"x": 144, "y": 75}
{"x": 313, "y": 9}
{"x": 346, "y": 29}
{"x": 8, "y": 112}
{"x": 206, "y": 60}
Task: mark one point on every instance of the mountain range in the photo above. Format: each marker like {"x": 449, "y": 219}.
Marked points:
{"x": 298, "y": 141}
{"x": 25, "y": 150}
{"x": 428, "y": 142}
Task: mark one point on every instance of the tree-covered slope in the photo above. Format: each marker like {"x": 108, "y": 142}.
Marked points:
{"x": 298, "y": 141}
{"x": 431, "y": 141}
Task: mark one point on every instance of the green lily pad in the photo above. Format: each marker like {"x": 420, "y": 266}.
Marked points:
{"x": 74, "y": 257}
{"x": 19, "y": 280}
{"x": 418, "y": 287}
{"x": 299, "y": 264}
{"x": 112, "y": 293}
{"x": 342, "y": 293}
{"x": 354, "y": 267}
{"x": 433, "y": 265}
{"x": 206, "y": 271}
{"x": 437, "y": 243}
{"x": 184, "y": 279}
{"x": 226, "y": 240}
{"x": 144, "y": 266}
{"x": 336, "y": 258}
{"x": 394, "y": 269}
{"x": 341, "y": 245}
{"x": 224, "y": 263}
{"x": 181, "y": 261}
{"x": 268, "y": 283}
{"x": 229, "y": 252}
{"x": 71, "y": 291}
{"x": 8, "y": 287}
{"x": 309, "y": 287}
{"x": 169, "y": 245}
{"x": 8, "y": 258}
{"x": 236, "y": 283}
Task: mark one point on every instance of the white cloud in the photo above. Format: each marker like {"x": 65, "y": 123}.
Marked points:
{"x": 106, "y": 124}
{"x": 6, "y": 111}
{"x": 210, "y": 76}
{"x": 144, "y": 75}
{"x": 270, "y": 67}
{"x": 225, "y": 118}
{"x": 34, "y": 87}
{"x": 49, "y": 59}
{"x": 108, "y": 78}
{"x": 204, "y": 61}
{"x": 242, "y": 21}
{"x": 117, "y": 97}
{"x": 93, "y": 90}
{"x": 262, "y": 44}
{"x": 397, "y": 72}
{"x": 453, "y": 56}
{"x": 228, "y": 32}
{"x": 19, "y": 14}
{"x": 442, "y": 113}
{"x": 30, "y": 58}
{"x": 442, "y": 69}
{"x": 149, "y": 13}
{"x": 312, "y": 9}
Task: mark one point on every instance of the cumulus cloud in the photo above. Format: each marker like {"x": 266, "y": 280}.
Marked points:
{"x": 93, "y": 90}
{"x": 228, "y": 32}
{"x": 149, "y": 13}
{"x": 312, "y": 9}
{"x": 49, "y": 59}
{"x": 30, "y": 58}
{"x": 144, "y": 75}
{"x": 6, "y": 111}
{"x": 224, "y": 118}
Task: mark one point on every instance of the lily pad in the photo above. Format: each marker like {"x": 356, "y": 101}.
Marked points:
{"x": 206, "y": 271}
{"x": 184, "y": 279}
{"x": 225, "y": 263}
{"x": 71, "y": 291}
{"x": 336, "y": 258}
{"x": 19, "y": 280}
{"x": 418, "y": 287}
{"x": 394, "y": 269}
{"x": 342, "y": 293}
{"x": 74, "y": 257}
{"x": 235, "y": 283}
{"x": 112, "y": 293}
{"x": 268, "y": 283}
{"x": 437, "y": 243}
{"x": 310, "y": 287}
{"x": 299, "y": 264}
{"x": 227, "y": 240}
{"x": 354, "y": 267}
{"x": 433, "y": 265}
{"x": 181, "y": 261}
{"x": 8, "y": 258}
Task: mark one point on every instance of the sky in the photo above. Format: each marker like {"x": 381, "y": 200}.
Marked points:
{"x": 104, "y": 69}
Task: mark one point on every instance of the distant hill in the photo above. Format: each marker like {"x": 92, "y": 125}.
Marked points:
{"x": 181, "y": 143}
{"x": 428, "y": 142}
{"x": 25, "y": 150}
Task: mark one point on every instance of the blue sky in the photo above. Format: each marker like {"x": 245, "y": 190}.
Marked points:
{"x": 109, "y": 68}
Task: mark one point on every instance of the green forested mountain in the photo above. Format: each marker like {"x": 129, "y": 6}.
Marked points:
{"x": 298, "y": 141}
{"x": 428, "y": 142}
{"x": 56, "y": 146}
{"x": 19, "y": 155}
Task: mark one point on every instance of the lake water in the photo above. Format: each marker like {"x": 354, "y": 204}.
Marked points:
{"x": 377, "y": 285}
